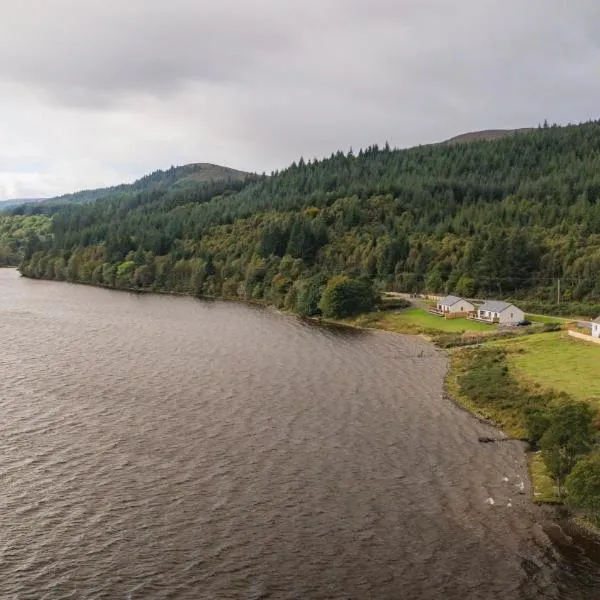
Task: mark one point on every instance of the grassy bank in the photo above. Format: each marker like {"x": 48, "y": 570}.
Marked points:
{"x": 417, "y": 321}
{"x": 508, "y": 377}
{"x": 556, "y": 361}
{"x": 508, "y": 381}
{"x": 445, "y": 333}
{"x": 480, "y": 380}
{"x": 423, "y": 321}
{"x": 534, "y": 318}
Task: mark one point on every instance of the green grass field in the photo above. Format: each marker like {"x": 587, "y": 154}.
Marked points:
{"x": 556, "y": 361}
{"x": 547, "y": 319}
{"x": 417, "y": 320}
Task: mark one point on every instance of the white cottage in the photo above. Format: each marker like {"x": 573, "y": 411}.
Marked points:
{"x": 596, "y": 328}
{"x": 496, "y": 311}
{"x": 454, "y": 304}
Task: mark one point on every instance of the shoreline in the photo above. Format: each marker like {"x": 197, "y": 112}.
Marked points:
{"x": 567, "y": 521}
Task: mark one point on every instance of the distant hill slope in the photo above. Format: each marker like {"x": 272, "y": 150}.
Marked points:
{"x": 175, "y": 177}
{"x": 486, "y": 135}
{"x": 7, "y": 204}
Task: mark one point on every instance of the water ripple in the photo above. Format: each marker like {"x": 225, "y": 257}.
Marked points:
{"x": 156, "y": 447}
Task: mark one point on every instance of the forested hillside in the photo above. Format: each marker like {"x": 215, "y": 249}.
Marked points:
{"x": 6, "y": 205}
{"x": 486, "y": 218}
{"x": 183, "y": 178}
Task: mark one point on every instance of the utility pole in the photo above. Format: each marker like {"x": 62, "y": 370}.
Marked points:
{"x": 558, "y": 292}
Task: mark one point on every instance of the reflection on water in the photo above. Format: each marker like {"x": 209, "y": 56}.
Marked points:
{"x": 159, "y": 447}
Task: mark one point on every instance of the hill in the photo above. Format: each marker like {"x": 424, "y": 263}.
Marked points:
{"x": 489, "y": 218}
{"x": 25, "y": 224}
{"x": 488, "y": 135}
{"x": 184, "y": 176}
{"x": 8, "y": 204}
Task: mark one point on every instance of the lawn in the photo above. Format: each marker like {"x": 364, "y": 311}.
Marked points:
{"x": 554, "y": 360}
{"x": 417, "y": 320}
{"x": 548, "y": 319}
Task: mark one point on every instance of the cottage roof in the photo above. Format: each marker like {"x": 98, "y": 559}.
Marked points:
{"x": 496, "y": 306}
{"x": 596, "y": 320}
{"x": 450, "y": 300}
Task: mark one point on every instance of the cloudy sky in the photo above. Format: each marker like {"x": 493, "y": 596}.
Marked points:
{"x": 97, "y": 92}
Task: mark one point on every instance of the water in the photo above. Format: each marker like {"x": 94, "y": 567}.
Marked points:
{"x": 154, "y": 447}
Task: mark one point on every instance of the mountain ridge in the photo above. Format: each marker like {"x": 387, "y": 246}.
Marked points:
{"x": 180, "y": 176}
{"x": 488, "y": 135}
{"x": 13, "y": 202}
{"x": 201, "y": 172}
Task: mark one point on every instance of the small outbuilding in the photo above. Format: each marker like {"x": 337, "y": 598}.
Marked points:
{"x": 496, "y": 311}
{"x": 454, "y": 304}
{"x": 596, "y": 328}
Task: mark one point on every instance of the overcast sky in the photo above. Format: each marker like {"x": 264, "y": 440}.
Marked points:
{"x": 97, "y": 92}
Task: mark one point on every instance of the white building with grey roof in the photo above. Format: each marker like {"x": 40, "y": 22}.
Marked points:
{"x": 454, "y": 304}
{"x": 497, "y": 311}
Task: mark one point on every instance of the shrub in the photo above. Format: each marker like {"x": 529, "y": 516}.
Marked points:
{"x": 393, "y": 304}
{"x": 564, "y": 309}
{"x": 569, "y": 435}
{"x": 489, "y": 384}
{"x": 537, "y": 422}
{"x": 308, "y": 295}
{"x": 583, "y": 487}
{"x": 344, "y": 297}
{"x": 487, "y": 380}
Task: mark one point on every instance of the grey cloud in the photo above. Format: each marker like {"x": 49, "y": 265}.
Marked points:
{"x": 99, "y": 49}
{"x": 140, "y": 46}
{"x": 256, "y": 83}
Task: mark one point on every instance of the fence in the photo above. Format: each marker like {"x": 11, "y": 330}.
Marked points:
{"x": 450, "y": 315}
{"x": 456, "y": 315}
{"x": 584, "y": 336}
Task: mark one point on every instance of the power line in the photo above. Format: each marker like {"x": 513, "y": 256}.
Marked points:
{"x": 528, "y": 279}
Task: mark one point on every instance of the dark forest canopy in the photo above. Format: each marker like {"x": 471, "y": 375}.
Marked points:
{"x": 487, "y": 218}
